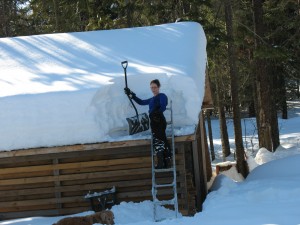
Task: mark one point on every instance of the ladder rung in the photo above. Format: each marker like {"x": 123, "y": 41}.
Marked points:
{"x": 169, "y": 122}
{"x": 164, "y": 185}
{"x": 165, "y": 202}
{"x": 163, "y": 170}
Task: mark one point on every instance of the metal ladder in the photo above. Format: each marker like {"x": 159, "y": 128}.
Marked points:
{"x": 155, "y": 186}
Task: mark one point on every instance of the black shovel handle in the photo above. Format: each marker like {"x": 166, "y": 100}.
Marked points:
{"x": 124, "y": 65}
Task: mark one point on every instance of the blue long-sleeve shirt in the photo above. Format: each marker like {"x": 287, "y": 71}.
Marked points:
{"x": 156, "y": 103}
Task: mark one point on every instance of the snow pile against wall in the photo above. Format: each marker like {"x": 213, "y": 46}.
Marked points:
{"x": 62, "y": 89}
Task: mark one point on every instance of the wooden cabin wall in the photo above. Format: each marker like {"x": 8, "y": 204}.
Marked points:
{"x": 53, "y": 181}
{"x": 200, "y": 159}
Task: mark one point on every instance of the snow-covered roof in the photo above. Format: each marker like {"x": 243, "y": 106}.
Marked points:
{"x": 67, "y": 88}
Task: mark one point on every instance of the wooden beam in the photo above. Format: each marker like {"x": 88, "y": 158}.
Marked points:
{"x": 83, "y": 176}
{"x": 57, "y": 185}
{"x": 77, "y": 199}
{"x": 35, "y": 213}
{"x": 199, "y": 163}
{"x": 204, "y": 150}
{"x": 86, "y": 147}
{"x": 78, "y": 165}
{"x": 197, "y": 173}
{"x": 185, "y": 197}
{"x": 129, "y": 183}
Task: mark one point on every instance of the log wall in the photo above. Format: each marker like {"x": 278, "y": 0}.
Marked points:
{"x": 53, "y": 181}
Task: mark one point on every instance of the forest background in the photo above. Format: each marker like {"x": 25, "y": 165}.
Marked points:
{"x": 253, "y": 49}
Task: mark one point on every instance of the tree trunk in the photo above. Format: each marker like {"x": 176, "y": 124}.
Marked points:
{"x": 277, "y": 96}
{"x": 56, "y": 15}
{"x": 255, "y": 99}
{"x": 89, "y": 26}
{"x": 253, "y": 103}
{"x": 211, "y": 141}
{"x": 274, "y": 128}
{"x": 251, "y": 109}
{"x": 242, "y": 166}
{"x": 282, "y": 90}
{"x": 222, "y": 118}
{"x": 129, "y": 13}
{"x": 224, "y": 133}
{"x": 4, "y": 16}
{"x": 262, "y": 81}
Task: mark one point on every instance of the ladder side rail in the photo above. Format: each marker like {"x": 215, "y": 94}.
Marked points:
{"x": 174, "y": 164}
{"x": 153, "y": 179}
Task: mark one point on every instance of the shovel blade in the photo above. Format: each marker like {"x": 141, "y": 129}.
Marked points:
{"x": 137, "y": 125}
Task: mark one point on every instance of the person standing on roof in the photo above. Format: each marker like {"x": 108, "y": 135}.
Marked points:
{"x": 157, "y": 105}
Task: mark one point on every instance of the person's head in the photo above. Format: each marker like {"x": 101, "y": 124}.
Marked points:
{"x": 155, "y": 85}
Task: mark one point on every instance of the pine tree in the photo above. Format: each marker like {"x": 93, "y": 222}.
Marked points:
{"x": 242, "y": 166}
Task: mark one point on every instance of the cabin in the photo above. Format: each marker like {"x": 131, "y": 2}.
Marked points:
{"x": 63, "y": 115}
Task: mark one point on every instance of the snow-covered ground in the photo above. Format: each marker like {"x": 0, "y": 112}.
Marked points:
{"x": 269, "y": 195}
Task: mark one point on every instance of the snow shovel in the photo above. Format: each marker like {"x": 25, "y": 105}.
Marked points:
{"x": 140, "y": 122}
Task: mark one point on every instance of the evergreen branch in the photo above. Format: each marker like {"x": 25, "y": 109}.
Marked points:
{"x": 253, "y": 32}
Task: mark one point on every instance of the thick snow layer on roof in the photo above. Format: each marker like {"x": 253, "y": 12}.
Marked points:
{"x": 61, "y": 89}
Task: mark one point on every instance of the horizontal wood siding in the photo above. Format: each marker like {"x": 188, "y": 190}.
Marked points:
{"x": 53, "y": 181}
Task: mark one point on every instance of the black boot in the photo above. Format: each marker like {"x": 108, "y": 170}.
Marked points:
{"x": 160, "y": 160}
{"x": 168, "y": 157}
{"x": 167, "y": 163}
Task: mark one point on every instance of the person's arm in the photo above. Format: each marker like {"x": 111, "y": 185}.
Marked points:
{"x": 140, "y": 101}
{"x": 163, "y": 101}
{"x": 133, "y": 96}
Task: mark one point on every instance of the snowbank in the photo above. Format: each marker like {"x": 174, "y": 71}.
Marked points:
{"x": 264, "y": 156}
{"x": 63, "y": 89}
{"x": 277, "y": 169}
{"x": 269, "y": 195}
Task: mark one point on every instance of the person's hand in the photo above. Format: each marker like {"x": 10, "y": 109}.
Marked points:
{"x": 129, "y": 92}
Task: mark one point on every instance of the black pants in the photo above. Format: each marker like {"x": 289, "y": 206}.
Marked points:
{"x": 158, "y": 126}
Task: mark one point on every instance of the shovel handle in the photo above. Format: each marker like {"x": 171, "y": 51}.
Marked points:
{"x": 124, "y": 65}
